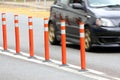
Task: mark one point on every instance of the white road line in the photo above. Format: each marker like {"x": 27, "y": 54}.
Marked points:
{"x": 56, "y": 64}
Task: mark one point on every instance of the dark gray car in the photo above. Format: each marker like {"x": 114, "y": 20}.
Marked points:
{"x": 101, "y": 18}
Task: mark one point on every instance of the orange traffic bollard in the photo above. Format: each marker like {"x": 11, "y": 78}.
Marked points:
{"x": 31, "y": 41}
{"x": 46, "y": 40}
{"x": 17, "y": 37}
{"x": 82, "y": 46}
{"x": 63, "y": 41}
{"x": 4, "y": 31}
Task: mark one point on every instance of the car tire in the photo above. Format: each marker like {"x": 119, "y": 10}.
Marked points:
{"x": 52, "y": 36}
{"x": 88, "y": 44}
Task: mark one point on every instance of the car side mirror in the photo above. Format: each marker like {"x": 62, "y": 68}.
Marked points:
{"x": 76, "y": 6}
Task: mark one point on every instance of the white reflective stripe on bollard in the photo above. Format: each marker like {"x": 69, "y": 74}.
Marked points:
{"x": 3, "y": 15}
{"x": 45, "y": 21}
{"x": 30, "y": 20}
{"x": 82, "y": 35}
{"x": 46, "y": 29}
{"x": 16, "y": 18}
{"x": 30, "y": 27}
{"x": 16, "y": 25}
{"x": 63, "y": 32}
{"x": 81, "y": 26}
{"x": 4, "y": 22}
{"x": 62, "y": 23}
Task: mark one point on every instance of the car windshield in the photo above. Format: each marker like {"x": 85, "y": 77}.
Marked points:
{"x": 102, "y": 3}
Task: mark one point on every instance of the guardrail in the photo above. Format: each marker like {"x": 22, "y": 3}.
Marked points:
{"x": 46, "y": 41}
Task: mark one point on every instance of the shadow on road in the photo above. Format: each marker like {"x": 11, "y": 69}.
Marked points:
{"x": 73, "y": 46}
{"x": 106, "y": 50}
{"x": 97, "y": 49}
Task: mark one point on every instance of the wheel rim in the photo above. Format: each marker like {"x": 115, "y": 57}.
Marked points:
{"x": 87, "y": 39}
{"x": 51, "y": 33}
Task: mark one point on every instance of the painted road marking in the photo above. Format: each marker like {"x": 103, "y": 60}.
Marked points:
{"x": 56, "y": 64}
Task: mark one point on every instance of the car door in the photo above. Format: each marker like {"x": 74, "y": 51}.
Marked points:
{"x": 60, "y": 12}
{"x": 73, "y": 17}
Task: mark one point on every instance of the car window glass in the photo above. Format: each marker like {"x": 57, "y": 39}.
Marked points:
{"x": 97, "y": 3}
{"x": 61, "y": 2}
{"x": 64, "y": 1}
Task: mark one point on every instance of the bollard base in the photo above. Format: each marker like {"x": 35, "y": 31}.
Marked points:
{"x": 64, "y": 65}
{"x": 5, "y": 50}
{"x": 83, "y": 70}
{"x": 47, "y": 61}
{"x": 32, "y": 57}
{"x": 17, "y": 53}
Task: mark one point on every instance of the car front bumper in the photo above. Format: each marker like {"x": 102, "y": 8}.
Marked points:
{"x": 106, "y": 36}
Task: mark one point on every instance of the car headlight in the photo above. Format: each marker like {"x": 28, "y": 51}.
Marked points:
{"x": 104, "y": 22}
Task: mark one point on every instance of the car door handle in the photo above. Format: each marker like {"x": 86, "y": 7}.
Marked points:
{"x": 88, "y": 16}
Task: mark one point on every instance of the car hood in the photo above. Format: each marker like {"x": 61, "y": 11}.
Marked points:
{"x": 106, "y": 12}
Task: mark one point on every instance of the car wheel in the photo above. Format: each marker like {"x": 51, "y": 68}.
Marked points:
{"x": 52, "y": 36}
{"x": 88, "y": 46}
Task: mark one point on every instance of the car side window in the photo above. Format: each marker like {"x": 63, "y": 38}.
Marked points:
{"x": 62, "y": 2}
{"x": 57, "y": 2}
{"x": 77, "y": 4}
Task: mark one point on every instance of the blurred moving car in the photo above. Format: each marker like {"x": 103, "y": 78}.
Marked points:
{"x": 101, "y": 18}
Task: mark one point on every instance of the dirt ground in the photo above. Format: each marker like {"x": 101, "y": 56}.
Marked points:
{"x": 24, "y": 10}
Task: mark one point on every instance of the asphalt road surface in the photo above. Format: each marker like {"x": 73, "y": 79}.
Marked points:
{"x": 17, "y": 69}
{"x": 106, "y": 60}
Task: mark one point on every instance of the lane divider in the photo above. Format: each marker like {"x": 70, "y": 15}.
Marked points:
{"x": 4, "y": 31}
{"x": 82, "y": 45}
{"x": 17, "y": 37}
{"x": 31, "y": 40}
{"x": 63, "y": 42}
{"x": 46, "y": 40}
